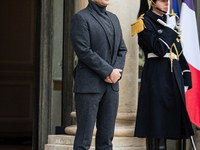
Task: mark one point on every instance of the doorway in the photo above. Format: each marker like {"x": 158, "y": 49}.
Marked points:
{"x": 17, "y": 73}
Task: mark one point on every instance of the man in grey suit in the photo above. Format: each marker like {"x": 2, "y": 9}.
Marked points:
{"x": 97, "y": 40}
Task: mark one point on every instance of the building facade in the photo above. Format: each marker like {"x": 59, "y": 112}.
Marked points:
{"x": 36, "y": 63}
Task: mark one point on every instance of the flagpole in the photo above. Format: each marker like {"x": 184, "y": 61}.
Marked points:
{"x": 170, "y": 6}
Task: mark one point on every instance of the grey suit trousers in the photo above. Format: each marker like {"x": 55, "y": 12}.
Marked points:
{"x": 100, "y": 107}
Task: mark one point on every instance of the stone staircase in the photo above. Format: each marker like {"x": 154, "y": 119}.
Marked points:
{"x": 65, "y": 142}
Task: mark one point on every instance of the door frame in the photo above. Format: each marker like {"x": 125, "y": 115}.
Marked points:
{"x": 44, "y": 85}
{"x": 42, "y": 123}
{"x": 68, "y": 65}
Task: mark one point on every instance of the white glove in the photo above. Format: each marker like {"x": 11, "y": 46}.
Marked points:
{"x": 166, "y": 25}
{"x": 171, "y": 21}
{"x": 186, "y": 88}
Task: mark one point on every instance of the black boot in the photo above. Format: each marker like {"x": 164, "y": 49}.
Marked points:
{"x": 148, "y": 144}
{"x": 162, "y": 144}
{"x": 152, "y": 144}
{"x": 156, "y": 144}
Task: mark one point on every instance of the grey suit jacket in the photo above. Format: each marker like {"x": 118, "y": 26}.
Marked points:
{"x": 91, "y": 44}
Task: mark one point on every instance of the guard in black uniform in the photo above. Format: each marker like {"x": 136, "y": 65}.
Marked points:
{"x": 161, "y": 110}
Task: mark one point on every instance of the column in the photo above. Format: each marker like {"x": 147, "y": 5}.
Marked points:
{"x": 82, "y": 4}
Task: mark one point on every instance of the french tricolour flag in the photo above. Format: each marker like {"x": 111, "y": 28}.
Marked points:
{"x": 192, "y": 53}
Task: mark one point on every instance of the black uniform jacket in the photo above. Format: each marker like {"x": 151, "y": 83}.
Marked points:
{"x": 96, "y": 60}
{"x": 161, "y": 105}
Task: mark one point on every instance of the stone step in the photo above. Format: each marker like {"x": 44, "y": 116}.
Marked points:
{"x": 117, "y": 141}
{"x": 122, "y": 129}
{"x": 69, "y": 147}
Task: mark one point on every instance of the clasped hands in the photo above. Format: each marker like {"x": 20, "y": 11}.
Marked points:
{"x": 114, "y": 76}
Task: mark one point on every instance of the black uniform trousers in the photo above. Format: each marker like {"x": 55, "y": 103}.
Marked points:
{"x": 99, "y": 107}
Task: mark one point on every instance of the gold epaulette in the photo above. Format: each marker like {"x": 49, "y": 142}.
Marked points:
{"x": 137, "y": 26}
